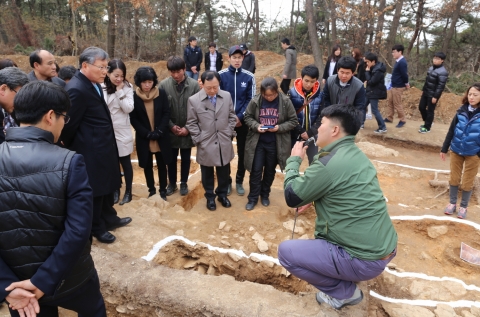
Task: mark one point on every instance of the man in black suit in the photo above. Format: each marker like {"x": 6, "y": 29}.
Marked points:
{"x": 90, "y": 133}
{"x": 45, "y": 213}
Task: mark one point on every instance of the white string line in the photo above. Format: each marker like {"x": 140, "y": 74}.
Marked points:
{"x": 425, "y": 302}
{"x": 156, "y": 248}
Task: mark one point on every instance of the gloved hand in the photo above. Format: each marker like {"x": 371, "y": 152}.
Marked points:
{"x": 159, "y": 132}
{"x": 153, "y": 135}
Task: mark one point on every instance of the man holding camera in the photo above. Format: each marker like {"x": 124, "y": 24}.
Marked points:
{"x": 354, "y": 236}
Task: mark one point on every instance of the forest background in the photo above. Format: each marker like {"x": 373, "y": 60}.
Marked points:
{"x": 152, "y": 30}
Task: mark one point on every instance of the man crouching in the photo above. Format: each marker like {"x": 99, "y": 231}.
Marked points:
{"x": 354, "y": 236}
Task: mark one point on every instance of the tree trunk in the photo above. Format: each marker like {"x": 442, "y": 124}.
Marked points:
{"x": 394, "y": 29}
{"x": 333, "y": 18}
{"x": 379, "y": 29}
{"x": 174, "y": 30}
{"x": 291, "y": 19}
{"x": 136, "y": 38}
{"x": 312, "y": 34}
{"x": 111, "y": 29}
{"x": 208, "y": 13}
{"x": 256, "y": 45}
{"x": 453, "y": 24}
{"x": 418, "y": 25}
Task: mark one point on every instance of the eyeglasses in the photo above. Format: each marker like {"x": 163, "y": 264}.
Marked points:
{"x": 13, "y": 90}
{"x": 102, "y": 68}
{"x": 66, "y": 117}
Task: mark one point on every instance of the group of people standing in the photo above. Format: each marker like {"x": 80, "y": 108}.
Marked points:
{"x": 72, "y": 141}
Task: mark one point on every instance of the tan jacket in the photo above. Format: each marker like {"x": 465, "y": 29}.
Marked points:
{"x": 120, "y": 105}
{"x": 212, "y": 129}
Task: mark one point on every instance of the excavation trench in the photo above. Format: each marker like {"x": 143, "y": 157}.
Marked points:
{"x": 199, "y": 258}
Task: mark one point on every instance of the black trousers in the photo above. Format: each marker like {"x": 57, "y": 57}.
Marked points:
{"x": 162, "y": 172}
{"x": 285, "y": 85}
{"x": 264, "y": 162}
{"x": 208, "y": 180}
{"x": 241, "y": 138}
{"x": 127, "y": 171}
{"x": 104, "y": 215}
{"x": 184, "y": 165}
{"x": 87, "y": 301}
{"x": 427, "y": 109}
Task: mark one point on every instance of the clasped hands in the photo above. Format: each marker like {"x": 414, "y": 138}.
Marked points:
{"x": 179, "y": 131}
{"x": 155, "y": 134}
{"x": 24, "y": 298}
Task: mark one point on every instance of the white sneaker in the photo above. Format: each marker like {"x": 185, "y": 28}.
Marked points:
{"x": 369, "y": 116}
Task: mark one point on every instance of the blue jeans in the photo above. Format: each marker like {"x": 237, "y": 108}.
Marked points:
{"x": 375, "y": 112}
{"x": 327, "y": 266}
{"x": 191, "y": 74}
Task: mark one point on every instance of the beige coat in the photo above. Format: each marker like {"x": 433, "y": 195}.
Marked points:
{"x": 212, "y": 129}
{"x": 120, "y": 105}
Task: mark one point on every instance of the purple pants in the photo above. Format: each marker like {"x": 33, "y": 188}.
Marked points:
{"x": 327, "y": 266}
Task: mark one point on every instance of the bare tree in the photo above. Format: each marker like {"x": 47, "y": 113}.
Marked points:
{"x": 453, "y": 24}
{"x": 418, "y": 25}
{"x": 111, "y": 28}
{"x": 379, "y": 29}
{"x": 312, "y": 34}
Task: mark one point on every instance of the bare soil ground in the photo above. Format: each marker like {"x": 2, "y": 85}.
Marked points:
{"x": 427, "y": 246}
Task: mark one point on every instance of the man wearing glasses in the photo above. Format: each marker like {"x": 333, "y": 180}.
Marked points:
{"x": 11, "y": 80}
{"x": 45, "y": 212}
{"x": 91, "y": 134}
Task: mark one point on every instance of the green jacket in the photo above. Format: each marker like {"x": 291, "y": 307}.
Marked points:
{"x": 351, "y": 210}
{"x": 178, "y": 108}
{"x": 287, "y": 120}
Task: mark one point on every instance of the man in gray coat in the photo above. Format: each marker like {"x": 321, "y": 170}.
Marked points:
{"x": 179, "y": 88}
{"x": 44, "y": 67}
{"x": 211, "y": 122}
{"x": 290, "y": 69}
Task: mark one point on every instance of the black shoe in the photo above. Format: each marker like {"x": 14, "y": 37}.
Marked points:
{"x": 225, "y": 202}
{"x": 151, "y": 193}
{"x": 116, "y": 196}
{"x": 211, "y": 204}
{"x": 250, "y": 205}
{"x": 171, "y": 188}
{"x": 127, "y": 197}
{"x": 121, "y": 223}
{"x": 265, "y": 201}
{"x": 105, "y": 237}
{"x": 183, "y": 189}
{"x": 163, "y": 195}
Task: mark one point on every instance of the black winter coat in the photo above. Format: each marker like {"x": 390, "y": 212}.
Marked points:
{"x": 90, "y": 133}
{"x": 192, "y": 57}
{"x": 218, "y": 62}
{"x": 435, "y": 82}
{"x": 249, "y": 62}
{"x": 45, "y": 214}
{"x": 327, "y": 68}
{"x": 141, "y": 124}
{"x": 375, "y": 78}
{"x": 360, "y": 73}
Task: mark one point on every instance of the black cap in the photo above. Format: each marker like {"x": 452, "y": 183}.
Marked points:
{"x": 243, "y": 46}
{"x": 235, "y": 49}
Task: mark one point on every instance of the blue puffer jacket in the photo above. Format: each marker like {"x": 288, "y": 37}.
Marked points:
{"x": 240, "y": 83}
{"x": 466, "y": 137}
{"x": 297, "y": 97}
